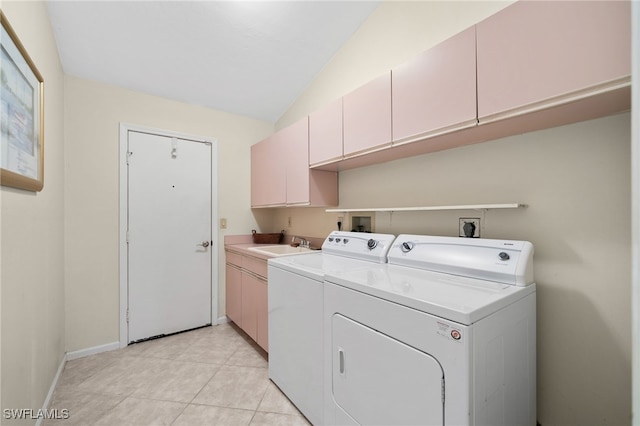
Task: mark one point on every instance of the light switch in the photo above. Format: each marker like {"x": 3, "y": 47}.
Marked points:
{"x": 223, "y": 223}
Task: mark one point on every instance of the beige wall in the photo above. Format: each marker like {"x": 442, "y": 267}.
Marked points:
{"x": 575, "y": 179}
{"x": 93, "y": 112}
{"x": 32, "y": 287}
{"x": 635, "y": 212}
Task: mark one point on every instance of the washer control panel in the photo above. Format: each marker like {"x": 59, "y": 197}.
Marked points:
{"x": 359, "y": 245}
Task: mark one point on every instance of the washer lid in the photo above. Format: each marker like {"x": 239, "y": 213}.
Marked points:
{"x": 460, "y": 299}
{"x": 317, "y": 265}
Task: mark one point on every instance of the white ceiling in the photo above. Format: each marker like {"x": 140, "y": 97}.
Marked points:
{"x": 252, "y": 58}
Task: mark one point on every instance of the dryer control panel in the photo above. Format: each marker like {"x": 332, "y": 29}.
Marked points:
{"x": 503, "y": 261}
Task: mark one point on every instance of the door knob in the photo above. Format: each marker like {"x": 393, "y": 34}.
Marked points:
{"x": 204, "y": 244}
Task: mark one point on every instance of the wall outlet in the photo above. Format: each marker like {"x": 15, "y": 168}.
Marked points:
{"x": 469, "y": 227}
{"x": 289, "y": 222}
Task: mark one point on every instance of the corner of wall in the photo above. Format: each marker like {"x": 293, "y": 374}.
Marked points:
{"x": 32, "y": 230}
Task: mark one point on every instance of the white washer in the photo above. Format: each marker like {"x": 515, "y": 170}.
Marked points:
{"x": 295, "y": 299}
{"x": 444, "y": 334}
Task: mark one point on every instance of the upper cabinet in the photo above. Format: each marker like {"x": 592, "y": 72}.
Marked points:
{"x": 367, "y": 117}
{"x": 268, "y": 178}
{"x": 436, "y": 92}
{"x": 533, "y": 65}
{"x": 535, "y": 53}
{"x": 280, "y": 174}
{"x": 325, "y": 134}
{"x": 295, "y": 152}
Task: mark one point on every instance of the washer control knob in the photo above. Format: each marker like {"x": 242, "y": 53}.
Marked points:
{"x": 345, "y": 240}
{"x": 372, "y": 243}
{"x": 338, "y": 240}
{"x": 407, "y": 246}
{"x": 503, "y": 255}
{"x": 330, "y": 239}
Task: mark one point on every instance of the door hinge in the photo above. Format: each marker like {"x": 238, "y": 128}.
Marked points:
{"x": 443, "y": 390}
{"x": 127, "y": 237}
{"x": 127, "y": 315}
{"x": 129, "y": 154}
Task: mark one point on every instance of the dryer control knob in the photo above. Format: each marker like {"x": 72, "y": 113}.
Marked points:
{"x": 503, "y": 255}
{"x": 407, "y": 246}
{"x": 345, "y": 240}
{"x": 372, "y": 244}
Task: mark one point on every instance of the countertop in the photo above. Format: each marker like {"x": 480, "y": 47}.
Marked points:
{"x": 241, "y": 243}
{"x": 244, "y": 250}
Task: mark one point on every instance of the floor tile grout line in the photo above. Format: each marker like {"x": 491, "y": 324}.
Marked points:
{"x": 104, "y": 413}
{"x": 261, "y": 399}
{"x": 61, "y": 381}
{"x": 180, "y": 414}
{"x": 205, "y": 385}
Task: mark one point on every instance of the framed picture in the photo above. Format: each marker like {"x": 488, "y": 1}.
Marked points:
{"x": 21, "y": 115}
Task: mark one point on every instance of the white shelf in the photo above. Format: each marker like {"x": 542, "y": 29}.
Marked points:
{"x": 432, "y": 208}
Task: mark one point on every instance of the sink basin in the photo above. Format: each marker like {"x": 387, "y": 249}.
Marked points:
{"x": 280, "y": 250}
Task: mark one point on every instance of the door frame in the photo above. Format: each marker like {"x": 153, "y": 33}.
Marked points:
{"x": 123, "y": 221}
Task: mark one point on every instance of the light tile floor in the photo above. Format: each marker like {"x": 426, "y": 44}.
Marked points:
{"x": 210, "y": 376}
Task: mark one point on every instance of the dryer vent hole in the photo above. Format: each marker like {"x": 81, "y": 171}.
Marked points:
{"x": 469, "y": 227}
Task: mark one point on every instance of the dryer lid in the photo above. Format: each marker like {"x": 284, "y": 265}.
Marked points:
{"x": 460, "y": 299}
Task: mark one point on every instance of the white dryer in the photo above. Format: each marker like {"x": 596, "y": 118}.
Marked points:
{"x": 444, "y": 334}
{"x": 295, "y": 300}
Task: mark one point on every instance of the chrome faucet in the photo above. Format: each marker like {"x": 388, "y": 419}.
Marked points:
{"x": 303, "y": 243}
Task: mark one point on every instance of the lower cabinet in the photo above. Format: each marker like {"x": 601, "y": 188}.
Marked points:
{"x": 234, "y": 294}
{"x": 246, "y": 296}
{"x": 250, "y": 305}
{"x": 263, "y": 315}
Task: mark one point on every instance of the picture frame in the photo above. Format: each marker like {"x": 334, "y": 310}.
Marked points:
{"x": 21, "y": 115}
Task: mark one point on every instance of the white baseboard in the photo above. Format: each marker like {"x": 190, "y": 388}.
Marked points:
{"x": 54, "y": 383}
{"x": 223, "y": 320}
{"x": 92, "y": 351}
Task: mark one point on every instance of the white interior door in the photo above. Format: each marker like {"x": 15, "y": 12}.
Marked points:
{"x": 169, "y": 235}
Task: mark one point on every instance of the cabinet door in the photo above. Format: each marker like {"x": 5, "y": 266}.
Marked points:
{"x": 234, "y": 294}
{"x": 367, "y": 116}
{"x": 295, "y": 153}
{"x": 262, "y": 315}
{"x": 532, "y": 51}
{"x": 249, "y": 305}
{"x": 325, "y": 134}
{"x": 437, "y": 90}
{"x": 267, "y": 174}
